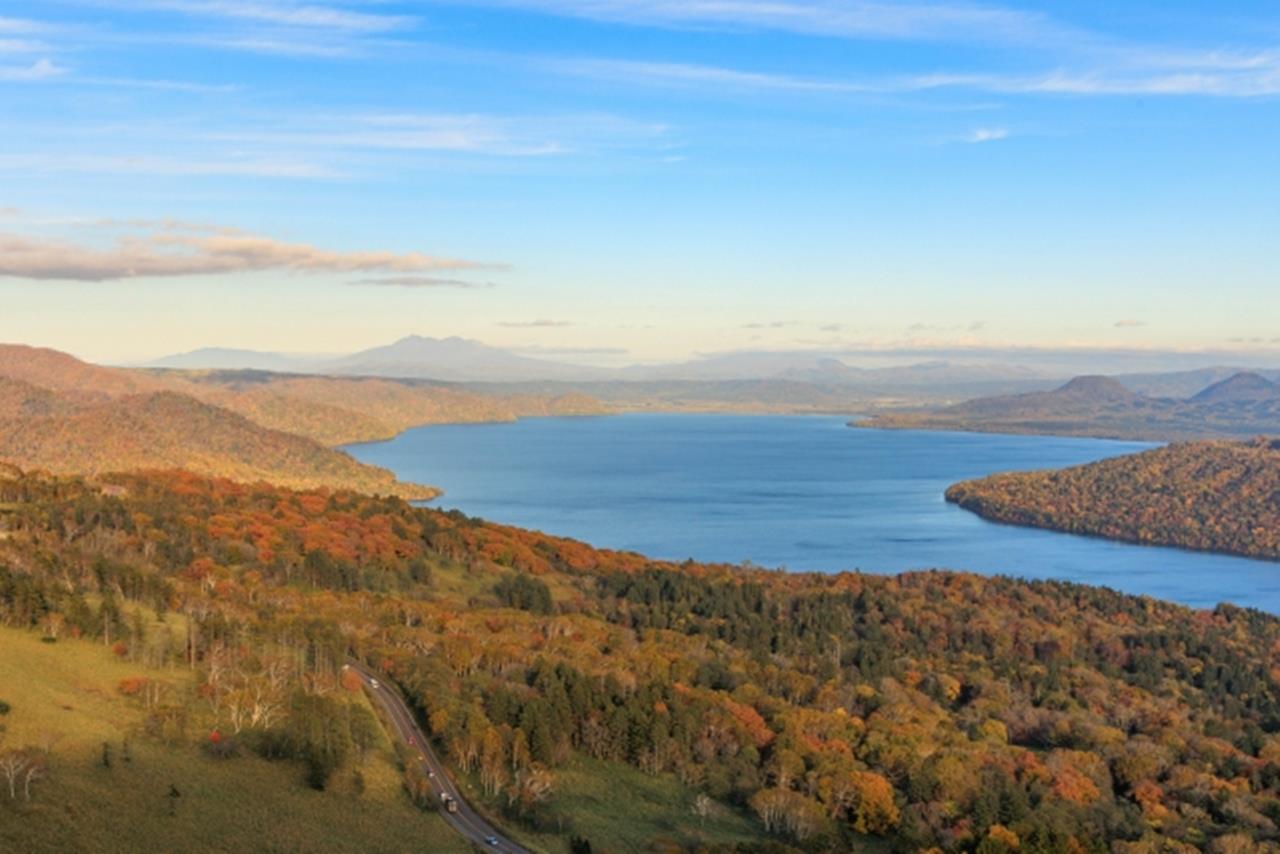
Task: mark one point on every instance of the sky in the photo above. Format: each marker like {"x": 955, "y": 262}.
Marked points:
{"x": 606, "y": 182}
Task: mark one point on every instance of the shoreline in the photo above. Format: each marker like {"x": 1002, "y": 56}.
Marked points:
{"x": 972, "y": 550}
{"x": 966, "y": 505}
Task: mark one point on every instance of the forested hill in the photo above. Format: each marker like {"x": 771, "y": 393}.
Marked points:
{"x": 170, "y": 430}
{"x": 67, "y": 416}
{"x": 930, "y": 710}
{"x": 343, "y": 410}
{"x": 1242, "y": 405}
{"x": 1208, "y": 496}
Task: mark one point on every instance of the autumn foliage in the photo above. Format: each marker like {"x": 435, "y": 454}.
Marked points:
{"x": 940, "y": 710}
{"x": 1208, "y": 496}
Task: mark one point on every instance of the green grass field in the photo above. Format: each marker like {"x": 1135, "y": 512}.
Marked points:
{"x": 66, "y": 693}
{"x": 621, "y": 809}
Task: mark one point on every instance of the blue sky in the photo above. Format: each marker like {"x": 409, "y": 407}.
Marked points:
{"x": 610, "y": 181}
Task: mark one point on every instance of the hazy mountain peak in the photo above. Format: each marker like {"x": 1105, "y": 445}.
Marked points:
{"x": 1097, "y": 388}
{"x": 234, "y": 359}
{"x": 1244, "y": 386}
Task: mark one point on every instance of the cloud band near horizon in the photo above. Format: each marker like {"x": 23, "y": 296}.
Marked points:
{"x": 182, "y": 252}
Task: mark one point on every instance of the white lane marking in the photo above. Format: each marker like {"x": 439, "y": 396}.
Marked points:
{"x": 469, "y": 824}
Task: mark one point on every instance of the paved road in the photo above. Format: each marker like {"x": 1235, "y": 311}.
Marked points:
{"x": 466, "y": 821}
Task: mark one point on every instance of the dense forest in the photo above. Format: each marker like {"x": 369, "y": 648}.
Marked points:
{"x": 1208, "y": 496}
{"x": 930, "y": 710}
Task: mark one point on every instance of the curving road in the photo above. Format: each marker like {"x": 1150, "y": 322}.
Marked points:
{"x": 466, "y": 821}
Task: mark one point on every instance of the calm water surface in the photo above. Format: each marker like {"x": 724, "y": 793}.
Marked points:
{"x": 804, "y": 493}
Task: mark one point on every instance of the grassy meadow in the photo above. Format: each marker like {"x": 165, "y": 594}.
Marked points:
{"x": 65, "y": 695}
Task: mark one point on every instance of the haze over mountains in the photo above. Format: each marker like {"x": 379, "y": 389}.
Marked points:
{"x": 953, "y": 375}
{"x": 1244, "y": 404}
{"x": 463, "y": 360}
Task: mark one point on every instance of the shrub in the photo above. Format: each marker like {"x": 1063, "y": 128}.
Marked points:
{"x": 221, "y": 746}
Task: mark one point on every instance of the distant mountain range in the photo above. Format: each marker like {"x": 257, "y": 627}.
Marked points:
{"x": 1184, "y": 384}
{"x": 803, "y": 379}
{"x": 1242, "y": 404}
{"x": 225, "y": 358}
{"x": 468, "y": 361}
{"x": 454, "y": 360}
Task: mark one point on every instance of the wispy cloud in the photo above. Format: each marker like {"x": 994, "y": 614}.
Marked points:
{"x": 422, "y": 282}
{"x": 316, "y": 146}
{"x": 286, "y": 13}
{"x": 1129, "y": 324}
{"x": 693, "y": 75}
{"x": 161, "y": 85}
{"x": 41, "y": 69}
{"x": 1118, "y": 71}
{"x": 860, "y": 19}
{"x": 518, "y": 136}
{"x": 515, "y": 136}
{"x": 171, "y": 166}
{"x": 971, "y": 326}
{"x": 20, "y": 25}
{"x": 22, "y": 45}
{"x": 535, "y": 324}
{"x": 980, "y": 135}
{"x": 184, "y": 251}
{"x": 1209, "y": 75}
{"x": 279, "y": 44}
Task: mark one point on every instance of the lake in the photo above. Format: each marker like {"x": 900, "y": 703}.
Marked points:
{"x": 800, "y": 492}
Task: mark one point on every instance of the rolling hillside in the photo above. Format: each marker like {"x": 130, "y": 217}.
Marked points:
{"x": 342, "y": 410}
{"x": 66, "y": 698}
{"x": 61, "y": 372}
{"x": 1208, "y": 496}
{"x": 21, "y": 400}
{"x": 170, "y": 430}
{"x": 63, "y": 415}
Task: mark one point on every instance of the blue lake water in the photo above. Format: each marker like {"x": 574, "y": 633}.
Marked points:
{"x": 805, "y": 493}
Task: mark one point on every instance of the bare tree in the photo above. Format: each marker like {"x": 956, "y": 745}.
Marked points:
{"x": 12, "y": 765}
{"x": 35, "y": 771}
{"x": 702, "y": 807}
{"x": 53, "y": 624}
